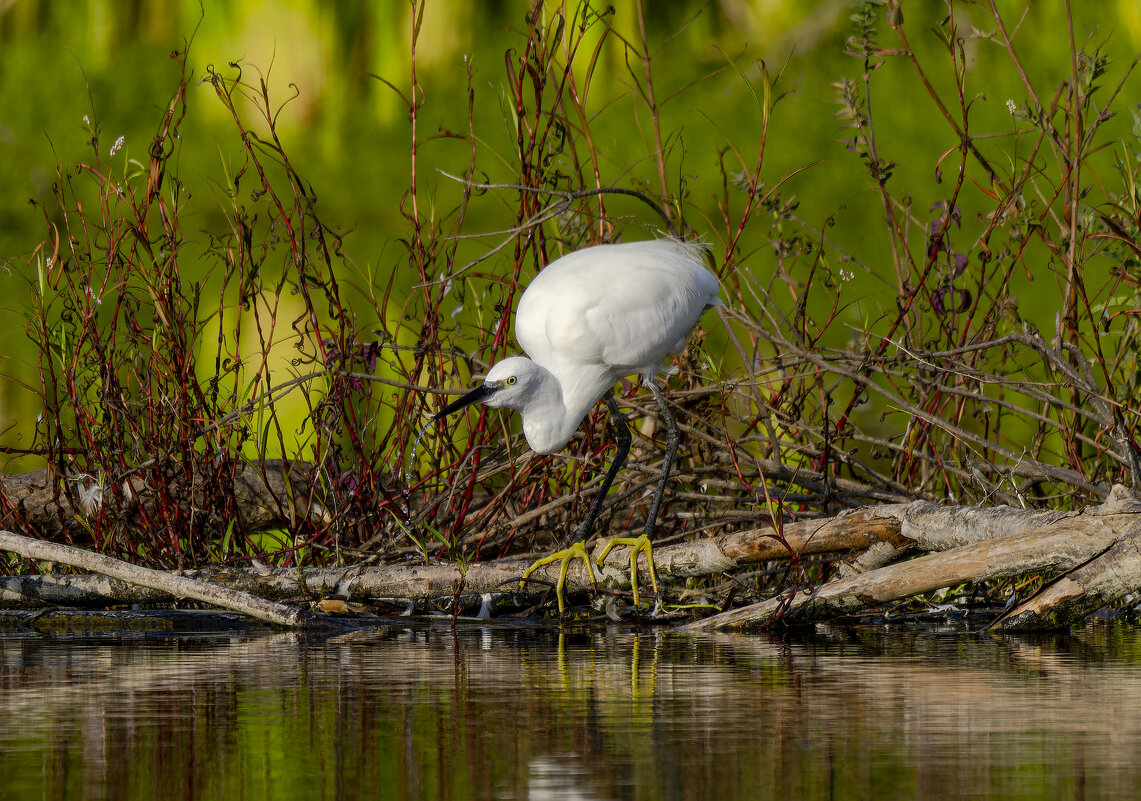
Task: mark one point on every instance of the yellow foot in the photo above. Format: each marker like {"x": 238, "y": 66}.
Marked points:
{"x": 637, "y": 545}
{"x": 576, "y": 551}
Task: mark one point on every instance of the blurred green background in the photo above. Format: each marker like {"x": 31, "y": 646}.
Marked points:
{"x": 349, "y": 134}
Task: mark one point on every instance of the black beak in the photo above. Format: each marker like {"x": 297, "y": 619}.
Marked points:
{"x": 475, "y": 396}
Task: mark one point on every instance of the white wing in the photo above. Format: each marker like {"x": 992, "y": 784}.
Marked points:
{"x": 626, "y": 307}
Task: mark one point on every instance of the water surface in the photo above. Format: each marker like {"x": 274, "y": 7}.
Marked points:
{"x": 507, "y": 713}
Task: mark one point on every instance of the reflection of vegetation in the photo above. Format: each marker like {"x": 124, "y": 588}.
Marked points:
{"x": 911, "y": 267}
{"x": 489, "y": 713}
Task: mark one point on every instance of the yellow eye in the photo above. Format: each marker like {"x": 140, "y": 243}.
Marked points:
{"x": 510, "y": 380}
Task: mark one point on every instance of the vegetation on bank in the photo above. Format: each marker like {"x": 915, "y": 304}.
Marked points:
{"x": 829, "y": 382}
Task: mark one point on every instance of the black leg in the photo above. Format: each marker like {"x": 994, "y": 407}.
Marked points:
{"x": 622, "y": 436}
{"x": 673, "y": 438}
{"x": 642, "y": 544}
{"x": 577, "y": 549}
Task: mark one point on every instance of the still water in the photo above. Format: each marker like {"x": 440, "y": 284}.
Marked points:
{"x": 509, "y": 713}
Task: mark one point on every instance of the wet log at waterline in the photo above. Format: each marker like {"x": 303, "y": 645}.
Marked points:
{"x": 890, "y": 552}
{"x": 1095, "y": 550}
{"x": 174, "y": 585}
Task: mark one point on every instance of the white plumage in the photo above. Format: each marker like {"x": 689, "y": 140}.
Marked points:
{"x": 589, "y": 319}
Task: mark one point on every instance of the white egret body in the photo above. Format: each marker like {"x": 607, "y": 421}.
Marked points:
{"x": 589, "y": 319}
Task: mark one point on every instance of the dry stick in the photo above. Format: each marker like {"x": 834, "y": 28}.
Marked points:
{"x": 178, "y": 586}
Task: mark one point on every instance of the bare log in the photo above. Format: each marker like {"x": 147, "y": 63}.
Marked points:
{"x": 176, "y": 586}
{"x": 77, "y": 590}
{"x": 855, "y": 530}
{"x": 1066, "y": 542}
{"x": 1096, "y": 550}
{"x": 1070, "y": 598}
{"x": 397, "y": 583}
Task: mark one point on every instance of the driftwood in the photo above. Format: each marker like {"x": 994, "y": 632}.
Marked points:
{"x": 1095, "y": 551}
{"x": 411, "y": 582}
{"x": 175, "y": 585}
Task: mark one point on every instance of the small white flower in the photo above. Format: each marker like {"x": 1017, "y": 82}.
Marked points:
{"x": 86, "y": 121}
{"x": 118, "y": 144}
{"x": 1011, "y": 107}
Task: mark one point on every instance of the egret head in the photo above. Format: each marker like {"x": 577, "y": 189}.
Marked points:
{"x": 512, "y": 383}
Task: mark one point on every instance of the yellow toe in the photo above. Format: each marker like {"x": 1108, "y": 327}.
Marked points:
{"x": 637, "y": 545}
{"x": 576, "y": 551}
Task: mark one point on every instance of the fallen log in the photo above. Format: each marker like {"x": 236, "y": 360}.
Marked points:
{"x": 1094, "y": 544}
{"x": 177, "y": 586}
{"x": 1095, "y": 549}
{"x": 852, "y": 531}
{"x": 1071, "y": 598}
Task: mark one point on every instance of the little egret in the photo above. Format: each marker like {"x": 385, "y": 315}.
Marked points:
{"x": 589, "y": 319}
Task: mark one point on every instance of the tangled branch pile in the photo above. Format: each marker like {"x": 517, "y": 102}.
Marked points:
{"x": 986, "y": 353}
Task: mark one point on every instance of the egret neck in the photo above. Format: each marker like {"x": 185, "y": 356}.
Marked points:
{"x": 558, "y": 404}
